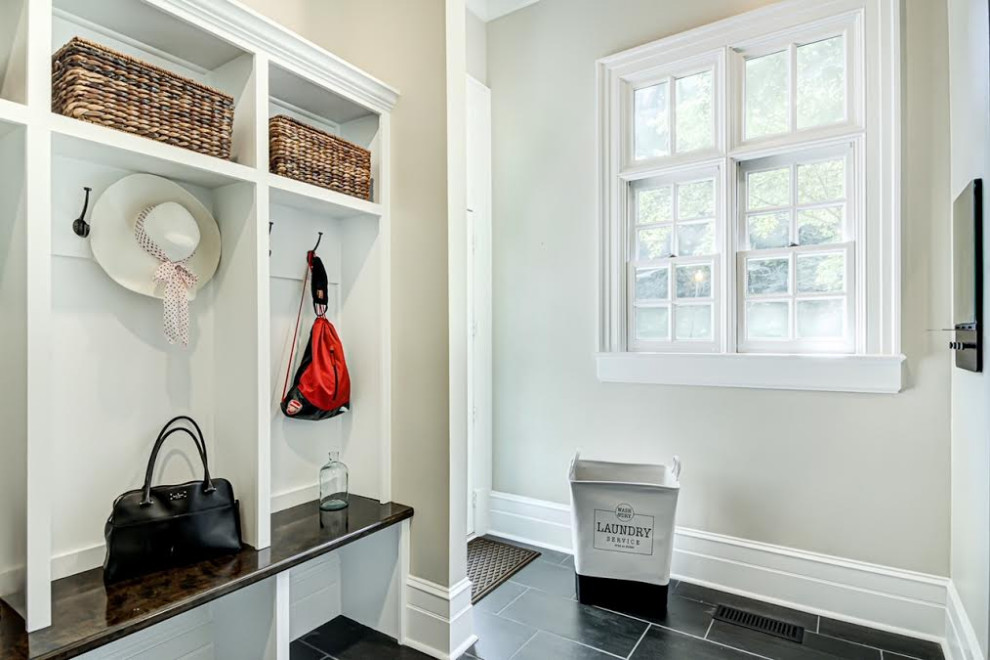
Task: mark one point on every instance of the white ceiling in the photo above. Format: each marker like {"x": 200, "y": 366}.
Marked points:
{"x": 489, "y": 10}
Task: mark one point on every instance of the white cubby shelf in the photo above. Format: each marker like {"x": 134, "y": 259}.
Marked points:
{"x": 90, "y": 375}
{"x": 12, "y": 115}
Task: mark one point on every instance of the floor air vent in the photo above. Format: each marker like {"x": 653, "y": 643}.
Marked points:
{"x": 760, "y": 623}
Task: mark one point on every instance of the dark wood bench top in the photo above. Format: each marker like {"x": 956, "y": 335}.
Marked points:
{"x": 87, "y": 614}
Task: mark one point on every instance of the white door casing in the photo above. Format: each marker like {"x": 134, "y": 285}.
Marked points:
{"x": 479, "y": 262}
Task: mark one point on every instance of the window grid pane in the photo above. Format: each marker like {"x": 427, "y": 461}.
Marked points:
{"x": 655, "y": 205}
{"x": 821, "y": 82}
{"x": 768, "y": 319}
{"x": 693, "y": 281}
{"x": 693, "y": 118}
{"x": 811, "y": 193}
{"x": 672, "y": 298}
{"x": 675, "y": 220}
{"x": 693, "y": 322}
{"x": 653, "y": 323}
{"x": 768, "y": 189}
{"x": 821, "y": 318}
{"x": 653, "y": 243}
{"x": 769, "y": 230}
{"x": 696, "y": 200}
{"x": 696, "y": 238}
{"x": 820, "y": 225}
{"x": 821, "y": 273}
{"x": 694, "y": 208}
{"x": 652, "y": 284}
{"x": 768, "y": 276}
{"x": 820, "y": 182}
{"x": 812, "y": 306}
{"x": 651, "y": 132}
{"x": 804, "y": 85}
{"x": 767, "y": 85}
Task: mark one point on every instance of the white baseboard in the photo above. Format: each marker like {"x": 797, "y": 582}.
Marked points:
{"x": 439, "y": 620}
{"x": 877, "y": 596}
{"x": 546, "y": 524}
{"x": 12, "y": 580}
{"x": 961, "y": 642}
{"x": 63, "y": 565}
{"x": 77, "y": 561}
{"x": 295, "y": 497}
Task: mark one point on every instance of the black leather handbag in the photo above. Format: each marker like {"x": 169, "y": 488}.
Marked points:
{"x": 160, "y": 527}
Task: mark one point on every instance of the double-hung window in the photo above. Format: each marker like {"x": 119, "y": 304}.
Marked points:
{"x": 796, "y": 254}
{"x": 749, "y": 214}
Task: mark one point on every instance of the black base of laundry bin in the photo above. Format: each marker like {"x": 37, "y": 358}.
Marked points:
{"x": 623, "y": 595}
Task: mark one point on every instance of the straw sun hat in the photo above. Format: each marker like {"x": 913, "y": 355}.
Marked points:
{"x": 154, "y": 237}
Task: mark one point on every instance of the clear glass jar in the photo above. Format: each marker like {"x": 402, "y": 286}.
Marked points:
{"x": 333, "y": 484}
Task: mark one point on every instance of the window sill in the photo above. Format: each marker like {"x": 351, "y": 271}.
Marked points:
{"x": 826, "y": 373}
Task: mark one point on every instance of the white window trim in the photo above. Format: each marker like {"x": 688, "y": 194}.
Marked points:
{"x": 877, "y": 364}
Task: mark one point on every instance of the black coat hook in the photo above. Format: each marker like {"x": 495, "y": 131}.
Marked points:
{"x": 312, "y": 253}
{"x": 270, "y": 225}
{"x": 80, "y": 226}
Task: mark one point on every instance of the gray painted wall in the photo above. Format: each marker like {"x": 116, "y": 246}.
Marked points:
{"x": 858, "y": 476}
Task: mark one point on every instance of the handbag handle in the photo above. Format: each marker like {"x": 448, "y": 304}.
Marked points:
{"x": 200, "y": 442}
{"x": 208, "y": 486}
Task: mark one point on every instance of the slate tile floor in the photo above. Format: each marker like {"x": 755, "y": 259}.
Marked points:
{"x": 535, "y": 616}
{"x": 344, "y": 639}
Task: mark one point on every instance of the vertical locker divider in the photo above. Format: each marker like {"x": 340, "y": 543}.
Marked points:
{"x": 40, "y": 497}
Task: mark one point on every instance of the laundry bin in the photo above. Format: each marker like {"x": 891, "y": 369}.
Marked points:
{"x": 622, "y": 517}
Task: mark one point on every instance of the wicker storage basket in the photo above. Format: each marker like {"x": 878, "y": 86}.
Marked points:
{"x": 95, "y": 84}
{"x": 304, "y": 153}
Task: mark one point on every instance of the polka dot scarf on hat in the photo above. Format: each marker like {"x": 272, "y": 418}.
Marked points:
{"x": 177, "y": 279}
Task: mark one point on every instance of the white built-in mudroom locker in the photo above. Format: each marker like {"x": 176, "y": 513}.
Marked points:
{"x": 90, "y": 377}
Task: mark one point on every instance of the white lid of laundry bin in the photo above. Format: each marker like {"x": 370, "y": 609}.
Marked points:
{"x": 627, "y": 474}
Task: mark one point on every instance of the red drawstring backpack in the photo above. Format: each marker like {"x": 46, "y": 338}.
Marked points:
{"x": 322, "y": 386}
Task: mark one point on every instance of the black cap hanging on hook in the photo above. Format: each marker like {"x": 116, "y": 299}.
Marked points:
{"x": 318, "y": 279}
{"x": 80, "y": 226}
